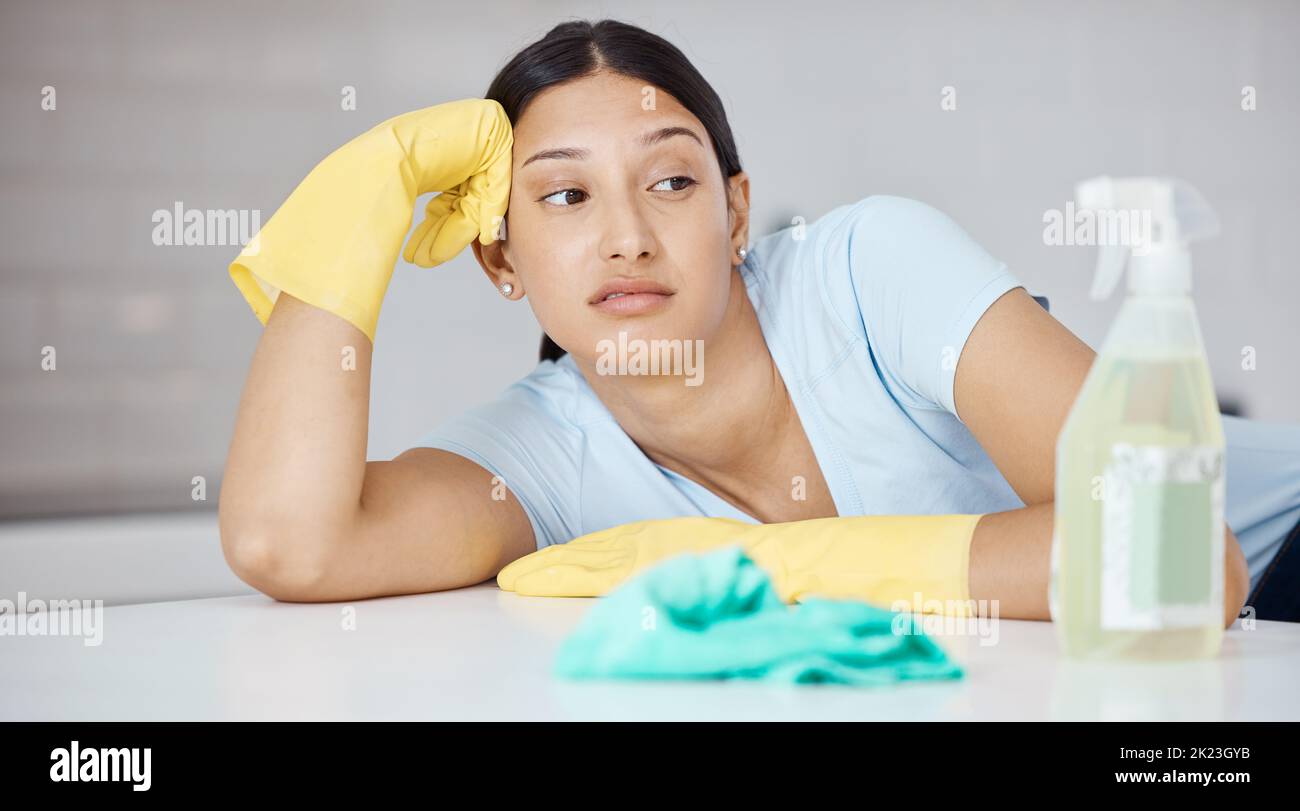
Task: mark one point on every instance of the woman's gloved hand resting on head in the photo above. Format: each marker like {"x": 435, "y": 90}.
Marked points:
{"x": 335, "y": 240}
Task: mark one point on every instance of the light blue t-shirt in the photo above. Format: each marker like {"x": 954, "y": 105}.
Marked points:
{"x": 865, "y": 313}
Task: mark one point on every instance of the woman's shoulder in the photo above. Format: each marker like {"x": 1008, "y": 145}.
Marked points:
{"x": 848, "y": 234}
{"x": 821, "y": 263}
{"x": 897, "y": 274}
{"x": 900, "y": 239}
{"x": 875, "y": 210}
{"x": 886, "y": 209}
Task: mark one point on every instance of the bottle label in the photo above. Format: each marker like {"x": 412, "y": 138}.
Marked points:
{"x": 1162, "y": 537}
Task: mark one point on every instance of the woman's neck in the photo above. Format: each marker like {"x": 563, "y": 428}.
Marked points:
{"x": 707, "y": 432}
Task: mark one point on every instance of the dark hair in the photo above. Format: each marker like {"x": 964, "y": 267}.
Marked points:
{"x": 572, "y": 50}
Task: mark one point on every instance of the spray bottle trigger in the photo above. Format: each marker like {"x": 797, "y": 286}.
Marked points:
{"x": 1111, "y": 261}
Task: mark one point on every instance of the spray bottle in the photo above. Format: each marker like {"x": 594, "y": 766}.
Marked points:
{"x": 1138, "y": 545}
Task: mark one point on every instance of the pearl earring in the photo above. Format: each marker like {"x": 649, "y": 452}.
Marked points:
{"x": 507, "y": 288}
{"x": 742, "y": 253}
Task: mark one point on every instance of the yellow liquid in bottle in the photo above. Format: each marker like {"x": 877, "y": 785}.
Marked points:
{"x": 1137, "y": 557}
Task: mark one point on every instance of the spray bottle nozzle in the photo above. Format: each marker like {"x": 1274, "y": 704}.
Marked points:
{"x": 1149, "y": 220}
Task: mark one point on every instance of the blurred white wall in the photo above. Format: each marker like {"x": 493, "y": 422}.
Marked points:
{"x": 229, "y": 105}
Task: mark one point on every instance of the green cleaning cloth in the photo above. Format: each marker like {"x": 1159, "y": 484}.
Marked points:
{"x": 718, "y": 616}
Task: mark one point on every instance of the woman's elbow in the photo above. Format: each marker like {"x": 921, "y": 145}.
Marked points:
{"x": 269, "y": 560}
{"x": 1236, "y": 580}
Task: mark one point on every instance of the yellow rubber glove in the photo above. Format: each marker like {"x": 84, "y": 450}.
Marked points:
{"x": 881, "y": 559}
{"x": 335, "y": 240}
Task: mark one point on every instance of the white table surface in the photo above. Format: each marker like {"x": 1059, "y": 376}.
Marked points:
{"x": 480, "y": 653}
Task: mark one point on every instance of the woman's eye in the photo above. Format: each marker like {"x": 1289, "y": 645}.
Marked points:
{"x": 678, "y": 183}
{"x": 567, "y": 200}
{"x": 688, "y": 182}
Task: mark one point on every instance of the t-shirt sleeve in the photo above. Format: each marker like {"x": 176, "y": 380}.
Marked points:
{"x": 519, "y": 438}
{"x": 921, "y": 283}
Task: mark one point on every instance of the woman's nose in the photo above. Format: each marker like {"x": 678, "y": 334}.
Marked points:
{"x": 628, "y": 233}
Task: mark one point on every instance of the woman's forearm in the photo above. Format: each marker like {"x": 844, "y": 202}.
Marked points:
{"x": 1010, "y": 561}
{"x": 297, "y": 462}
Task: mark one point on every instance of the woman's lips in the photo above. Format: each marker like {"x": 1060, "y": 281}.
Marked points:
{"x": 633, "y": 303}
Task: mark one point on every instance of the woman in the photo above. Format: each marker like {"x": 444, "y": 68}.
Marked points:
{"x": 879, "y": 362}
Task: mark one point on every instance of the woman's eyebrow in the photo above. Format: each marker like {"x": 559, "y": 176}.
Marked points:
{"x": 578, "y": 153}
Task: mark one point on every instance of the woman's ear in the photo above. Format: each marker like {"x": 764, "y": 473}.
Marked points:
{"x": 496, "y": 264}
{"x": 738, "y": 209}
